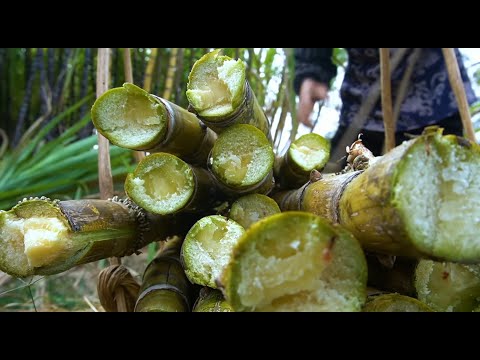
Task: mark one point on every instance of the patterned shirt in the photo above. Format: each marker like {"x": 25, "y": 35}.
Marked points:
{"x": 429, "y": 97}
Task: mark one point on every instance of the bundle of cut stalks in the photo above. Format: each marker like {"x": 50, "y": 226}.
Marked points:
{"x": 264, "y": 234}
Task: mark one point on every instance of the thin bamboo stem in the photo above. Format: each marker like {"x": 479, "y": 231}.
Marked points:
{"x": 459, "y": 91}
{"x": 386, "y": 91}
{"x": 105, "y": 180}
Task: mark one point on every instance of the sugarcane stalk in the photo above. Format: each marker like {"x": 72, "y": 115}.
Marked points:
{"x": 165, "y": 288}
{"x": 399, "y": 278}
{"x": 394, "y": 303}
{"x": 421, "y": 199}
{"x": 242, "y": 161}
{"x": 211, "y": 300}
{"x": 248, "y": 209}
{"x": 446, "y": 286}
{"x": 221, "y": 96}
{"x": 309, "y": 152}
{"x": 164, "y": 184}
{"x": 39, "y": 236}
{"x": 207, "y": 248}
{"x": 295, "y": 261}
{"x": 132, "y": 118}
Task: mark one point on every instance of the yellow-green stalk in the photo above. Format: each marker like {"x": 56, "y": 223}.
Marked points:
{"x": 421, "y": 199}
{"x": 446, "y": 286}
{"x": 164, "y": 184}
{"x": 242, "y": 161}
{"x": 165, "y": 288}
{"x": 295, "y": 261}
{"x": 132, "y": 118}
{"x": 207, "y": 248}
{"x": 309, "y": 152}
{"x": 39, "y": 236}
{"x": 394, "y": 303}
{"x": 221, "y": 96}
{"x": 248, "y": 209}
{"x": 211, "y": 300}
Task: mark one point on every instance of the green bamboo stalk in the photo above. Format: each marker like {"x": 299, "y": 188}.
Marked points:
{"x": 309, "y": 152}
{"x": 210, "y": 300}
{"x": 295, "y": 261}
{"x": 394, "y": 303}
{"x": 242, "y": 161}
{"x": 164, "y": 184}
{"x": 39, "y": 236}
{"x": 165, "y": 288}
{"x": 446, "y": 286}
{"x": 219, "y": 93}
{"x": 249, "y": 209}
{"x": 420, "y": 199}
{"x": 132, "y": 118}
{"x": 207, "y": 248}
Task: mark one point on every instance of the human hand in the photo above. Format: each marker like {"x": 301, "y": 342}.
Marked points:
{"x": 310, "y": 92}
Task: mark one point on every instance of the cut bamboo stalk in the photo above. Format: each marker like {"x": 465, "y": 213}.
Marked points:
{"x": 446, "y": 286}
{"x": 211, "y": 300}
{"x": 249, "y": 209}
{"x": 459, "y": 91}
{"x": 165, "y": 288}
{"x": 386, "y": 90}
{"x": 242, "y": 161}
{"x": 43, "y": 237}
{"x": 164, "y": 184}
{"x": 295, "y": 261}
{"x": 132, "y": 118}
{"x": 309, "y": 152}
{"x": 221, "y": 96}
{"x": 207, "y": 248}
{"x": 420, "y": 199}
{"x": 395, "y": 303}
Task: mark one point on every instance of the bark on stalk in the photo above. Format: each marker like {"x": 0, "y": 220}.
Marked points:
{"x": 132, "y": 118}
{"x": 164, "y": 184}
{"x": 39, "y": 236}
{"x": 221, "y": 96}
{"x": 211, "y": 300}
{"x": 207, "y": 248}
{"x": 296, "y": 261}
{"x": 249, "y": 209}
{"x": 309, "y": 152}
{"x": 446, "y": 286}
{"x": 165, "y": 288}
{"x": 242, "y": 161}
{"x": 395, "y": 303}
{"x": 421, "y": 199}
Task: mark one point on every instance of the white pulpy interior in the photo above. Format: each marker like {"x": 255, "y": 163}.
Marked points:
{"x": 285, "y": 269}
{"x": 215, "y": 84}
{"x": 129, "y": 117}
{"x": 33, "y": 242}
{"x": 207, "y": 248}
{"x": 437, "y": 191}
{"x": 165, "y": 186}
{"x": 242, "y": 157}
{"x": 310, "y": 153}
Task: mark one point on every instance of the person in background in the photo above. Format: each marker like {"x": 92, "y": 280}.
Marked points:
{"x": 428, "y": 99}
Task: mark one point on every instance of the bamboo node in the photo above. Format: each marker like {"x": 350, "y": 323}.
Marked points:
{"x": 110, "y": 280}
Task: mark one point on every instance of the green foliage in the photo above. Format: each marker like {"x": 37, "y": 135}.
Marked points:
{"x": 62, "y": 168}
